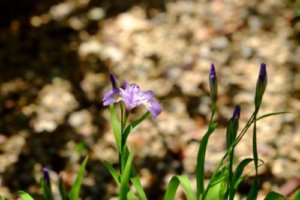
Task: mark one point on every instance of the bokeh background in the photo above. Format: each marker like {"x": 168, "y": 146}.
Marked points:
{"x": 55, "y": 57}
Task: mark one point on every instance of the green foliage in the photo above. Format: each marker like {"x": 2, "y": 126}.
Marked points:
{"x": 116, "y": 126}
{"x": 201, "y": 160}
{"x": 62, "y": 189}
{"x": 124, "y": 189}
{"x": 47, "y": 192}
{"x": 297, "y": 195}
{"x": 139, "y": 188}
{"x": 173, "y": 185}
{"x": 25, "y": 196}
{"x": 74, "y": 193}
{"x": 112, "y": 172}
{"x": 274, "y": 196}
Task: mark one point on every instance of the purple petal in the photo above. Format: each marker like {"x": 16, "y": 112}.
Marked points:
{"x": 112, "y": 96}
{"x": 148, "y": 95}
{"x": 154, "y": 108}
{"x": 130, "y": 95}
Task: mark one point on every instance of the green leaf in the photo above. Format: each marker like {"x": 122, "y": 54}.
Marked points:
{"x": 237, "y": 176}
{"x": 201, "y": 160}
{"x": 116, "y": 126}
{"x": 47, "y": 192}
{"x": 216, "y": 188}
{"x": 253, "y": 190}
{"x": 131, "y": 196}
{"x": 124, "y": 189}
{"x": 1, "y": 198}
{"x": 173, "y": 185}
{"x": 112, "y": 171}
{"x": 271, "y": 114}
{"x": 25, "y": 196}
{"x": 62, "y": 189}
{"x": 274, "y": 196}
{"x": 74, "y": 193}
{"x": 132, "y": 126}
{"x": 297, "y": 195}
{"x": 139, "y": 188}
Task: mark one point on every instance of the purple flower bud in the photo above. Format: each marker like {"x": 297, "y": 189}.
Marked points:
{"x": 213, "y": 86}
{"x": 113, "y": 80}
{"x": 262, "y": 73}
{"x": 233, "y": 126}
{"x": 260, "y": 86}
{"x": 236, "y": 113}
{"x": 212, "y": 73}
{"x": 46, "y": 175}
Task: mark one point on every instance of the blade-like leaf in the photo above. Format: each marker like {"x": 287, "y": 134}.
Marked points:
{"x": 74, "y": 193}
{"x": 216, "y": 188}
{"x": 132, "y": 126}
{"x": 173, "y": 185}
{"x": 139, "y": 188}
{"x": 131, "y": 196}
{"x": 25, "y": 196}
{"x": 116, "y": 126}
{"x": 47, "y": 192}
{"x": 62, "y": 189}
{"x": 274, "y": 196}
{"x": 239, "y": 170}
{"x": 1, "y": 198}
{"x": 253, "y": 190}
{"x": 297, "y": 195}
{"x": 271, "y": 114}
{"x": 201, "y": 160}
{"x": 124, "y": 189}
{"x": 112, "y": 171}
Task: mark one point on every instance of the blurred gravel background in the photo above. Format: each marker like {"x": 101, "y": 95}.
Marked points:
{"x": 54, "y": 62}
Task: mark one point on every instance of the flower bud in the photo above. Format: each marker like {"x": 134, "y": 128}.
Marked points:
{"x": 260, "y": 86}
{"x": 46, "y": 175}
{"x": 233, "y": 126}
{"x": 113, "y": 80}
{"x": 213, "y": 85}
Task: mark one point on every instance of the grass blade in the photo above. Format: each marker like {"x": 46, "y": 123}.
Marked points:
{"x": 112, "y": 171}
{"x": 201, "y": 160}
{"x": 237, "y": 176}
{"x": 173, "y": 185}
{"x": 297, "y": 195}
{"x": 62, "y": 189}
{"x": 274, "y": 196}
{"x": 74, "y": 193}
{"x": 116, "y": 126}
{"x": 47, "y": 193}
{"x": 131, "y": 196}
{"x": 271, "y": 114}
{"x": 254, "y": 190}
{"x": 139, "y": 188}
{"x": 124, "y": 189}
{"x": 217, "y": 187}
{"x": 25, "y": 196}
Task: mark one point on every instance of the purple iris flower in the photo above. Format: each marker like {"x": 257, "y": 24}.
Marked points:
{"x": 132, "y": 96}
